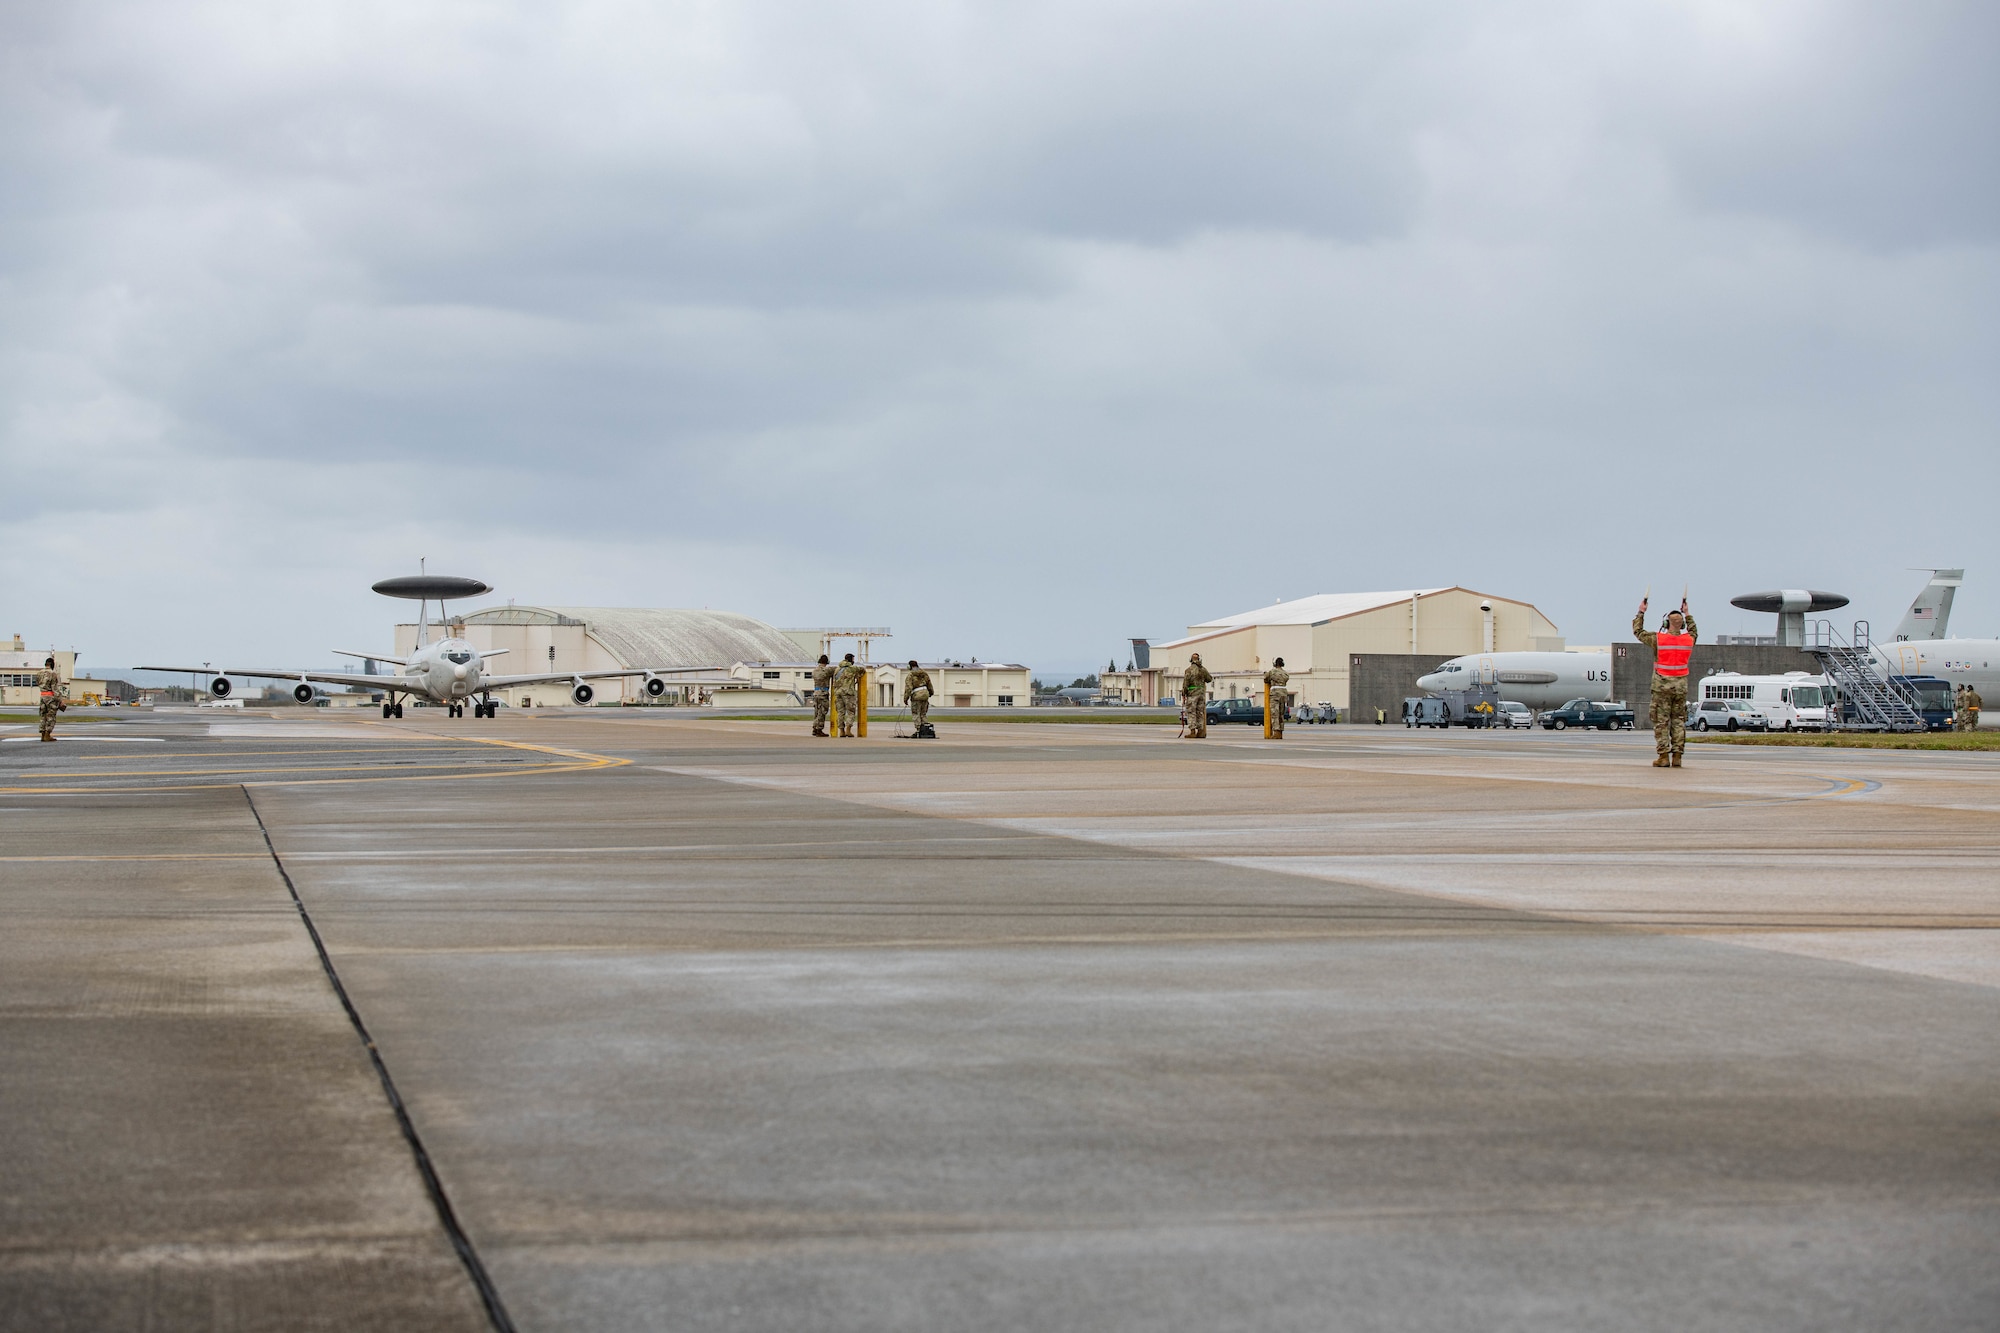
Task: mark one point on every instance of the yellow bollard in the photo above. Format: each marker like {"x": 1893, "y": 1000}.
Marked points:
{"x": 833, "y": 716}
{"x": 861, "y": 710}
{"x": 1267, "y": 712}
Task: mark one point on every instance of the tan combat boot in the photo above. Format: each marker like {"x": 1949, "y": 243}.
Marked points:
{"x": 1677, "y": 761}
{"x": 1661, "y": 762}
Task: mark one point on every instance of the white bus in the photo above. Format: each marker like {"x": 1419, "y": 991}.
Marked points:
{"x": 1795, "y": 701}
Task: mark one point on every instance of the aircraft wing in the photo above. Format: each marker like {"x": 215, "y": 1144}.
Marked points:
{"x": 668, "y": 674}
{"x": 317, "y": 677}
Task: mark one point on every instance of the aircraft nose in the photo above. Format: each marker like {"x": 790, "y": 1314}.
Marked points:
{"x": 1434, "y": 681}
{"x": 458, "y": 672}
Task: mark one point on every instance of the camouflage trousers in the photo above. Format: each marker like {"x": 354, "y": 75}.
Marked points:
{"x": 850, "y": 707}
{"x": 49, "y": 711}
{"x": 1276, "y": 710}
{"x": 822, "y": 709}
{"x": 1670, "y": 715}
{"x": 1971, "y": 722}
{"x": 920, "y": 711}
{"x": 1195, "y": 706}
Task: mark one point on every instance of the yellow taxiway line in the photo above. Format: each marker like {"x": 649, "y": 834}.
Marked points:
{"x": 582, "y": 761}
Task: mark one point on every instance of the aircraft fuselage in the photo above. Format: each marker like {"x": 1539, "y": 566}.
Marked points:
{"x": 445, "y": 672}
{"x": 1974, "y": 662}
{"x": 1538, "y": 680}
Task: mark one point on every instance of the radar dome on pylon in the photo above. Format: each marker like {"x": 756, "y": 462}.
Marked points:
{"x": 431, "y": 587}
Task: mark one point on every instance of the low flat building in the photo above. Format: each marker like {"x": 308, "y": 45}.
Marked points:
{"x": 20, "y": 670}
{"x": 955, "y": 684}
{"x": 1318, "y": 635}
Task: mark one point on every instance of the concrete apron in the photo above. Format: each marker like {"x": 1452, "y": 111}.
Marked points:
{"x": 191, "y": 1134}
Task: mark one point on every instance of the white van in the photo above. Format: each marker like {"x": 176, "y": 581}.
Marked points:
{"x": 1795, "y": 701}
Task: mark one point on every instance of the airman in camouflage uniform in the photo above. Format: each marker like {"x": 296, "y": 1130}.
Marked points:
{"x": 847, "y": 686}
{"x": 822, "y": 695}
{"x": 52, "y": 698}
{"x": 917, "y": 691}
{"x": 1670, "y": 693}
{"x": 1275, "y": 680}
{"x": 1973, "y": 703}
{"x": 1194, "y": 697}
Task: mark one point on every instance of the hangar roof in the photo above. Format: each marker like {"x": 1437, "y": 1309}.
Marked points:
{"x": 1315, "y": 610}
{"x": 640, "y": 637}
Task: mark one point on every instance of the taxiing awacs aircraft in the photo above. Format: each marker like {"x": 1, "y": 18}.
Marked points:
{"x": 450, "y": 672}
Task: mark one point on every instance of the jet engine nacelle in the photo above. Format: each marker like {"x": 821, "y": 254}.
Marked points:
{"x": 582, "y": 693}
{"x": 302, "y": 692}
{"x": 655, "y": 687}
{"x": 220, "y": 687}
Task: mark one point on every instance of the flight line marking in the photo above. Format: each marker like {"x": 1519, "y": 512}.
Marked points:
{"x": 584, "y": 761}
{"x": 160, "y": 856}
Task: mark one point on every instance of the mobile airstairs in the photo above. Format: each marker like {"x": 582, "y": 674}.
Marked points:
{"x": 1877, "y": 704}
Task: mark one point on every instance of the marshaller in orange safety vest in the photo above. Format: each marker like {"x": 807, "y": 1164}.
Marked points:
{"x": 1673, "y": 648}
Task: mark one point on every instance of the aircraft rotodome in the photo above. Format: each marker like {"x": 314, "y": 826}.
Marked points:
{"x": 450, "y": 672}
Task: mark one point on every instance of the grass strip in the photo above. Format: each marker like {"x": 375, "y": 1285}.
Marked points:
{"x": 1864, "y": 740}
{"x": 952, "y": 719}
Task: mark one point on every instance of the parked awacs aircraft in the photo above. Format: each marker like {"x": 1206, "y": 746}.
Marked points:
{"x": 450, "y": 672}
{"x": 1539, "y": 680}
{"x": 1931, "y": 611}
{"x": 1547, "y": 680}
{"x": 1920, "y": 648}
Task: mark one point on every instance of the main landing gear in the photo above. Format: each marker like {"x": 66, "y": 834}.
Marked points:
{"x": 480, "y": 708}
{"x": 392, "y": 710}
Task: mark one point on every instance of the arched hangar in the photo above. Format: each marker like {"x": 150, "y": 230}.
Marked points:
{"x": 595, "y": 638}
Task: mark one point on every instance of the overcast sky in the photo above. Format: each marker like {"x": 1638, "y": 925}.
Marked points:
{"x": 1022, "y": 328}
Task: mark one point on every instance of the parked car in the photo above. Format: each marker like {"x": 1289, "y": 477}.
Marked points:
{"x": 1250, "y": 711}
{"x": 1588, "y": 713}
{"x": 1510, "y": 714}
{"x": 1796, "y": 700}
{"x": 1729, "y": 715}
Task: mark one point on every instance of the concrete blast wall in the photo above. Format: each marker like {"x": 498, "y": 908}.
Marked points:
{"x": 1384, "y": 680}
{"x": 1632, "y": 668}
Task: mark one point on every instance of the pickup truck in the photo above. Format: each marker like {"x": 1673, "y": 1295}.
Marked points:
{"x": 1588, "y": 713}
{"x": 1236, "y": 710}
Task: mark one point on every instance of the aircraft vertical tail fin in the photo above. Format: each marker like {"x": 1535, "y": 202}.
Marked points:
{"x": 1931, "y": 611}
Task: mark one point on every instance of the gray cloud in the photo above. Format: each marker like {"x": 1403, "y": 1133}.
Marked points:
{"x": 1071, "y": 322}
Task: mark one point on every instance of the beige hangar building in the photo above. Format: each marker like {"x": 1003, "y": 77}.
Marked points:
{"x": 1318, "y": 635}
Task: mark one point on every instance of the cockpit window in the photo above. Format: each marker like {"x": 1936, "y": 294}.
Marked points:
{"x": 459, "y": 655}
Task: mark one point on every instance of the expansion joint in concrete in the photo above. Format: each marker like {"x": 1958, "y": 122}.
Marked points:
{"x": 475, "y": 1268}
